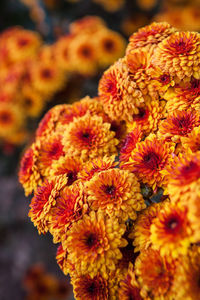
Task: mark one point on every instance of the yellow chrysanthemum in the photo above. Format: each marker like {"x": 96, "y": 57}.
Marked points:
{"x": 61, "y": 52}
{"x": 93, "y": 244}
{"x": 115, "y": 192}
{"x": 110, "y": 46}
{"x": 119, "y": 93}
{"x": 155, "y": 274}
{"x": 148, "y": 159}
{"x": 32, "y": 102}
{"x": 141, "y": 230}
{"x": 150, "y": 36}
{"x": 192, "y": 141}
{"x": 171, "y": 231}
{"x": 186, "y": 286}
{"x": 178, "y": 55}
{"x": 89, "y": 137}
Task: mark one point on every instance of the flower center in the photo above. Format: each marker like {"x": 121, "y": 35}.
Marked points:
{"x": 110, "y": 189}
{"x": 46, "y": 73}
{"x": 91, "y": 240}
{"x": 72, "y": 176}
{"x": 151, "y": 160}
{"x": 109, "y": 45}
{"x": 5, "y": 117}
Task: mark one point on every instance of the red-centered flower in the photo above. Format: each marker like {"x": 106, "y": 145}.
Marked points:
{"x": 119, "y": 93}
{"x": 69, "y": 208}
{"x": 178, "y": 124}
{"x": 129, "y": 143}
{"x": 148, "y": 159}
{"x": 171, "y": 231}
{"x": 150, "y": 36}
{"x": 178, "y": 55}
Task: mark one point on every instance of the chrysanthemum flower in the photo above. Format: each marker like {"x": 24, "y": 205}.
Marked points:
{"x": 63, "y": 262}
{"x": 178, "y": 55}
{"x": 178, "y": 124}
{"x": 89, "y": 137}
{"x": 183, "y": 97}
{"x": 83, "y": 55}
{"x": 110, "y": 46}
{"x": 192, "y": 141}
{"x": 44, "y": 199}
{"x": 32, "y": 102}
{"x": 96, "y": 165}
{"x": 46, "y": 53}
{"x": 155, "y": 274}
{"x": 93, "y": 244}
{"x": 119, "y": 93}
{"x": 148, "y": 116}
{"x": 116, "y": 192}
{"x": 141, "y": 230}
{"x": 186, "y": 285}
{"x": 183, "y": 175}
{"x": 171, "y": 231}
{"x": 150, "y": 36}
{"x": 68, "y": 166}
{"x": 129, "y": 144}
{"x": 24, "y": 44}
{"x": 90, "y": 24}
{"x": 129, "y": 287}
{"x": 49, "y": 122}
{"x": 11, "y": 119}
{"x": 86, "y": 287}
{"x": 46, "y": 78}
{"x": 61, "y": 52}
{"x": 69, "y": 208}
{"x": 51, "y": 149}
{"x": 29, "y": 175}
{"x": 148, "y": 159}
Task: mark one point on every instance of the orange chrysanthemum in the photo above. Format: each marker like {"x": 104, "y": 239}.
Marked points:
{"x": 89, "y": 137}
{"x": 44, "y": 199}
{"x": 148, "y": 159}
{"x": 89, "y": 24}
{"x": 155, "y": 274}
{"x": 192, "y": 141}
{"x": 32, "y": 102}
{"x": 183, "y": 175}
{"x": 183, "y": 97}
{"x": 68, "y": 166}
{"x": 150, "y": 36}
{"x": 69, "y": 208}
{"x": 51, "y": 150}
{"x": 129, "y": 144}
{"x": 119, "y": 93}
{"x": 96, "y": 165}
{"x": 186, "y": 285}
{"x": 178, "y": 55}
{"x": 110, "y": 46}
{"x": 178, "y": 124}
{"x": 129, "y": 287}
{"x": 83, "y": 55}
{"x": 93, "y": 244}
{"x": 11, "y": 119}
{"x": 148, "y": 117}
{"x": 171, "y": 231}
{"x": 29, "y": 175}
{"x": 141, "y": 230}
{"x": 61, "y": 52}
{"x": 86, "y": 287}
{"x": 46, "y": 78}
{"x": 116, "y": 192}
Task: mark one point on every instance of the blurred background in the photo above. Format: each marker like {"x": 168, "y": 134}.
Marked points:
{"x": 52, "y": 52}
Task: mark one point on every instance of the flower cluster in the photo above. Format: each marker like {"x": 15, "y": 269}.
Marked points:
{"x": 32, "y": 72}
{"x": 116, "y": 178}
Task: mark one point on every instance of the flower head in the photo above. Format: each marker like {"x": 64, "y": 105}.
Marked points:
{"x": 119, "y": 93}
{"x": 116, "y": 192}
{"x": 178, "y": 55}
{"x": 89, "y": 137}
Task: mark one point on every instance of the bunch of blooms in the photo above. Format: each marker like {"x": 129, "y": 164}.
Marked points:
{"x": 116, "y": 178}
{"x": 32, "y": 72}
